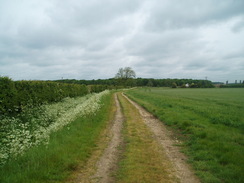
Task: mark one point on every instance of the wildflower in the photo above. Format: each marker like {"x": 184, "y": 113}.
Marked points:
{"x": 35, "y": 126}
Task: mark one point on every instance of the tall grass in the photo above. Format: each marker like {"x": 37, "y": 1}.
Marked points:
{"x": 67, "y": 149}
{"x": 212, "y": 124}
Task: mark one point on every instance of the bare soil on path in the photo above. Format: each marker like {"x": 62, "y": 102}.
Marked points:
{"x": 108, "y": 162}
{"x": 103, "y": 163}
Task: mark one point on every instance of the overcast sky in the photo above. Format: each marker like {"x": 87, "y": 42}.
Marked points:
{"x": 92, "y": 39}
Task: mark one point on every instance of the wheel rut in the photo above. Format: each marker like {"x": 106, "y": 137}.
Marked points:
{"x": 103, "y": 162}
{"x": 182, "y": 170}
{"x": 108, "y": 161}
{"x": 103, "y": 165}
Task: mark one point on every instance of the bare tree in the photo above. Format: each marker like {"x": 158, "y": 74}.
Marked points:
{"x": 120, "y": 74}
{"x": 125, "y": 73}
{"x": 125, "y": 77}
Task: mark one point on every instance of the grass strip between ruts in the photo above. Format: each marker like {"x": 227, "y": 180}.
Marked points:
{"x": 142, "y": 160}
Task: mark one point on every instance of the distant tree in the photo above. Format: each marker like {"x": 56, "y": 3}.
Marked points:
{"x": 150, "y": 83}
{"x": 125, "y": 73}
{"x": 125, "y": 76}
{"x": 129, "y": 73}
{"x": 183, "y": 86}
{"x": 120, "y": 74}
{"x": 174, "y": 85}
{"x": 193, "y": 85}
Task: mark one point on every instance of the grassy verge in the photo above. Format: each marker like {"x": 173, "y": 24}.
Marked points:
{"x": 67, "y": 148}
{"x": 142, "y": 160}
{"x": 85, "y": 172}
{"x": 211, "y": 121}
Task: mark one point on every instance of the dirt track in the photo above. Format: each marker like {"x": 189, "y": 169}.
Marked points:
{"x": 108, "y": 161}
{"x": 101, "y": 169}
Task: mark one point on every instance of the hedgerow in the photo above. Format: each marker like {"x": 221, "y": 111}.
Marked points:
{"x": 17, "y": 95}
{"x": 233, "y": 86}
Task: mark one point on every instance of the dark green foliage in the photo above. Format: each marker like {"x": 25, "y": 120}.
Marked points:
{"x": 8, "y": 96}
{"x": 16, "y": 95}
{"x": 174, "y": 85}
{"x": 98, "y": 88}
{"x": 232, "y": 86}
{"x": 131, "y": 82}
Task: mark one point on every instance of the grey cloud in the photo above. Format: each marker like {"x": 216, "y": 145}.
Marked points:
{"x": 70, "y": 23}
{"x": 196, "y": 64}
{"x": 162, "y": 44}
{"x": 92, "y": 39}
{"x": 239, "y": 25}
{"x": 90, "y": 13}
{"x": 186, "y": 14}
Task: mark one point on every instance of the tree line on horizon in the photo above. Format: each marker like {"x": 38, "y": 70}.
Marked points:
{"x": 140, "y": 82}
{"x": 126, "y": 77}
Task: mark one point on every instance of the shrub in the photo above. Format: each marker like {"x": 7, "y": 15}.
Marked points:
{"x": 174, "y": 85}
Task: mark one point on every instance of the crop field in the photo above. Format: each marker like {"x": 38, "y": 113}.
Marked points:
{"x": 210, "y": 122}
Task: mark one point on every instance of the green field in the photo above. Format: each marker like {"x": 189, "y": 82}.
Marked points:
{"x": 210, "y": 122}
